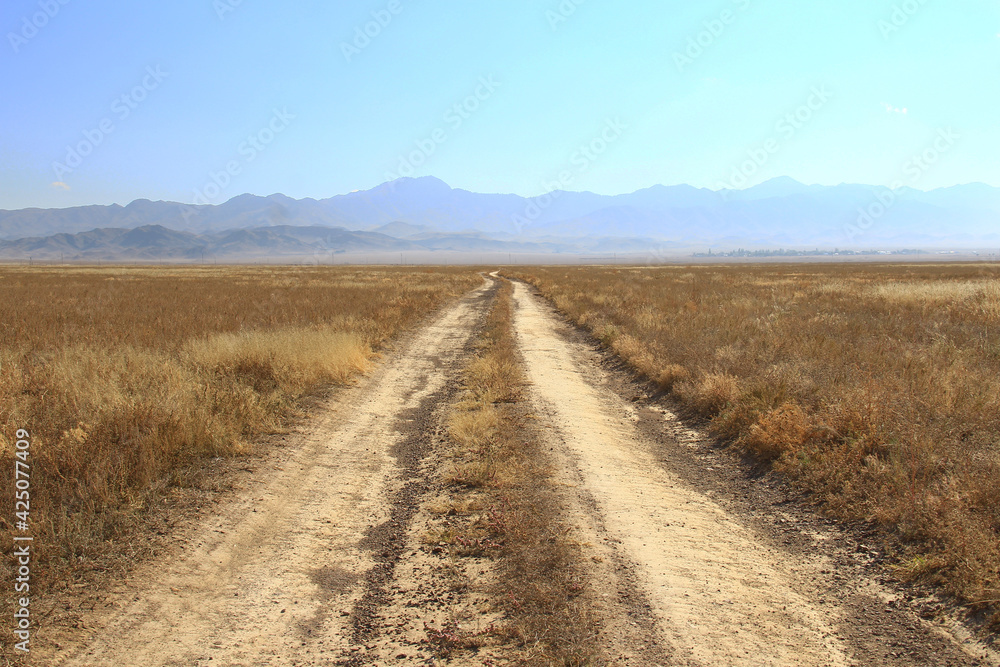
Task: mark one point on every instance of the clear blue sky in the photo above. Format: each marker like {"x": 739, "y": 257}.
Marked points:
{"x": 200, "y": 78}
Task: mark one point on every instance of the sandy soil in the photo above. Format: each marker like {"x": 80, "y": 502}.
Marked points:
{"x": 721, "y": 591}
{"x": 280, "y": 574}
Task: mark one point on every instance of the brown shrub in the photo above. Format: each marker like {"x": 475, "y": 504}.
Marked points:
{"x": 671, "y": 375}
{"x": 709, "y": 395}
{"x": 781, "y": 431}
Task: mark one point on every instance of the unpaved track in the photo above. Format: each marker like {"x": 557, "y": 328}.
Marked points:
{"x": 318, "y": 560}
{"x": 275, "y": 578}
{"x": 721, "y": 594}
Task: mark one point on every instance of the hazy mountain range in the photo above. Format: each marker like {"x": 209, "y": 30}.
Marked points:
{"x": 425, "y": 214}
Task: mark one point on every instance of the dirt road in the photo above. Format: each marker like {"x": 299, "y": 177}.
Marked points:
{"x": 277, "y": 576}
{"x": 722, "y": 593}
{"x": 318, "y": 560}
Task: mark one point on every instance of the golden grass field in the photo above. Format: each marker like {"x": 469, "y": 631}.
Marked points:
{"x": 877, "y": 388}
{"x": 874, "y": 387}
{"x": 127, "y": 377}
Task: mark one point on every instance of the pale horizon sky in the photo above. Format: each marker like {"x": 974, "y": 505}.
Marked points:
{"x": 203, "y": 100}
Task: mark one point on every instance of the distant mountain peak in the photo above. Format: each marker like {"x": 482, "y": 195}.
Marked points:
{"x": 424, "y": 185}
{"x": 785, "y": 181}
{"x": 400, "y": 229}
{"x": 780, "y": 186}
{"x": 245, "y": 197}
{"x": 426, "y": 181}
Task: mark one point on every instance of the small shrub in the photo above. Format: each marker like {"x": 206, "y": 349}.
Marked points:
{"x": 709, "y": 395}
{"x": 779, "y": 432}
{"x": 671, "y": 375}
{"x": 608, "y": 334}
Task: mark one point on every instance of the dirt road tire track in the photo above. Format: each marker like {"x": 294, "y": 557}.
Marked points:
{"x": 721, "y": 592}
{"x": 278, "y": 574}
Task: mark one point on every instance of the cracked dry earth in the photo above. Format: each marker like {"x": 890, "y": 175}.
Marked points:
{"x": 322, "y": 558}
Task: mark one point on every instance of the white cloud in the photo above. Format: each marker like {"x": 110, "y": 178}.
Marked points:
{"x": 60, "y": 184}
{"x": 891, "y": 109}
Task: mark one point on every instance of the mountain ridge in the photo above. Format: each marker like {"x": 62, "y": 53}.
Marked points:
{"x": 427, "y": 213}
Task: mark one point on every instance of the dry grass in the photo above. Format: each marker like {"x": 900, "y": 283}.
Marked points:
{"x": 127, "y": 378}
{"x": 875, "y": 387}
{"x": 498, "y": 469}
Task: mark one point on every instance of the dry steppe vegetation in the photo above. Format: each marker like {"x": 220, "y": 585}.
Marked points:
{"x": 500, "y": 489}
{"x": 876, "y": 388}
{"x": 128, "y": 378}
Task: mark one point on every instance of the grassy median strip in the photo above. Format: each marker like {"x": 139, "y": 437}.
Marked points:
{"x": 129, "y": 378}
{"x": 499, "y": 480}
{"x": 876, "y": 387}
